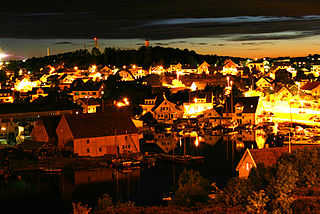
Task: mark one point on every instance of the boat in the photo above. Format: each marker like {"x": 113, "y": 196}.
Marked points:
{"x": 50, "y": 170}
{"x": 184, "y": 159}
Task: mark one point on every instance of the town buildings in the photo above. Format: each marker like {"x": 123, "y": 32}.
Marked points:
{"x": 97, "y": 134}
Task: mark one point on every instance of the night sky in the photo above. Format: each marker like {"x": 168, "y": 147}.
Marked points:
{"x": 248, "y": 28}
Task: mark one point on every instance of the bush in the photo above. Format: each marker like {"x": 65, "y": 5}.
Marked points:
{"x": 257, "y": 202}
{"x": 237, "y": 191}
{"x": 192, "y": 188}
{"x": 104, "y": 202}
{"x": 79, "y": 208}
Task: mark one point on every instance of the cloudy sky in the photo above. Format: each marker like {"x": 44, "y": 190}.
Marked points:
{"x": 247, "y": 28}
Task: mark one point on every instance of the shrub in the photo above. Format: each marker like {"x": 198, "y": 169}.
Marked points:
{"x": 257, "y": 202}
{"x": 79, "y": 208}
{"x": 104, "y": 202}
{"x": 192, "y": 188}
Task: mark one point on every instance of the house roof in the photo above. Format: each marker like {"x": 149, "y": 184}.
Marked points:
{"x": 89, "y": 101}
{"x": 277, "y": 64}
{"x": 200, "y": 94}
{"x": 50, "y": 124}
{"x": 189, "y": 67}
{"x": 100, "y": 125}
{"x": 250, "y": 104}
{"x": 269, "y": 156}
{"x": 229, "y": 63}
{"x": 88, "y": 86}
{"x": 310, "y": 85}
{"x": 11, "y": 108}
{"x": 5, "y": 91}
{"x": 35, "y": 89}
{"x": 160, "y": 100}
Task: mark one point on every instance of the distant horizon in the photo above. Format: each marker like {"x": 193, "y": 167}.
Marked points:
{"x": 21, "y": 49}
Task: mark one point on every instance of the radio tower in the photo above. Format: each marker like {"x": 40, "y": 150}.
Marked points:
{"x": 96, "y": 43}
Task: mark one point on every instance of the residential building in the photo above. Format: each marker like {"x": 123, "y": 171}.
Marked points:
{"x": 265, "y": 83}
{"x": 148, "y": 104}
{"x": 198, "y": 103}
{"x": 98, "y": 134}
{"x": 125, "y": 75}
{"x": 312, "y": 88}
{"x": 315, "y": 69}
{"x": 258, "y": 66}
{"x": 230, "y": 68}
{"x": 175, "y": 68}
{"x": 266, "y": 156}
{"x": 44, "y": 129}
{"x": 212, "y": 116}
{"x": 12, "y": 114}
{"x": 39, "y": 92}
{"x": 89, "y": 105}
{"x": 245, "y": 111}
{"x": 157, "y": 70}
{"x": 6, "y": 96}
{"x": 203, "y": 68}
{"x": 92, "y": 90}
{"x": 165, "y": 111}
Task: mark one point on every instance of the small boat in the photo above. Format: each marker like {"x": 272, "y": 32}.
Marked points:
{"x": 185, "y": 159}
{"x": 50, "y": 170}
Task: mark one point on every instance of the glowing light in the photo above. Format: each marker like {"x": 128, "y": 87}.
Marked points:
{"x": 193, "y": 86}
{"x": 94, "y": 67}
{"x": 125, "y": 102}
{"x": 3, "y": 55}
{"x": 75, "y": 68}
{"x": 134, "y": 66}
{"x": 52, "y": 69}
{"x": 196, "y": 143}
{"x": 25, "y": 85}
{"x": 3, "y": 128}
{"x": 20, "y": 72}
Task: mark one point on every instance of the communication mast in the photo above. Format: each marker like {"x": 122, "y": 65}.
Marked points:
{"x": 96, "y": 43}
{"x": 147, "y": 43}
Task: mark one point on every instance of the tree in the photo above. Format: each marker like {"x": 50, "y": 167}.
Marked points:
{"x": 283, "y": 76}
{"x": 192, "y": 188}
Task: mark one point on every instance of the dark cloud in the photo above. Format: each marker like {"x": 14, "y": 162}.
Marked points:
{"x": 161, "y": 44}
{"x": 219, "y": 45}
{"x": 275, "y": 36}
{"x": 198, "y": 43}
{"x": 177, "y": 42}
{"x": 64, "y": 43}
{"x": 256, "y": 43}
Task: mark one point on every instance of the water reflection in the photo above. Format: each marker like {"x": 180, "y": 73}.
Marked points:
{"x": 83, "y": 185}
{"x": 145, "y": 186}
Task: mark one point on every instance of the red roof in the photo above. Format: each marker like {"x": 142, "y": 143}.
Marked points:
{"x": 310, "y": 85}
{"x": 269, "y": 156}
{"x": 100, "y": 125}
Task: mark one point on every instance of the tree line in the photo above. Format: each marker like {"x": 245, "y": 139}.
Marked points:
{"x": 142, "y": 56}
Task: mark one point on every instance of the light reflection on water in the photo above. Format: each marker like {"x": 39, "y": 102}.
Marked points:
{"x": 38, "y": 192}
